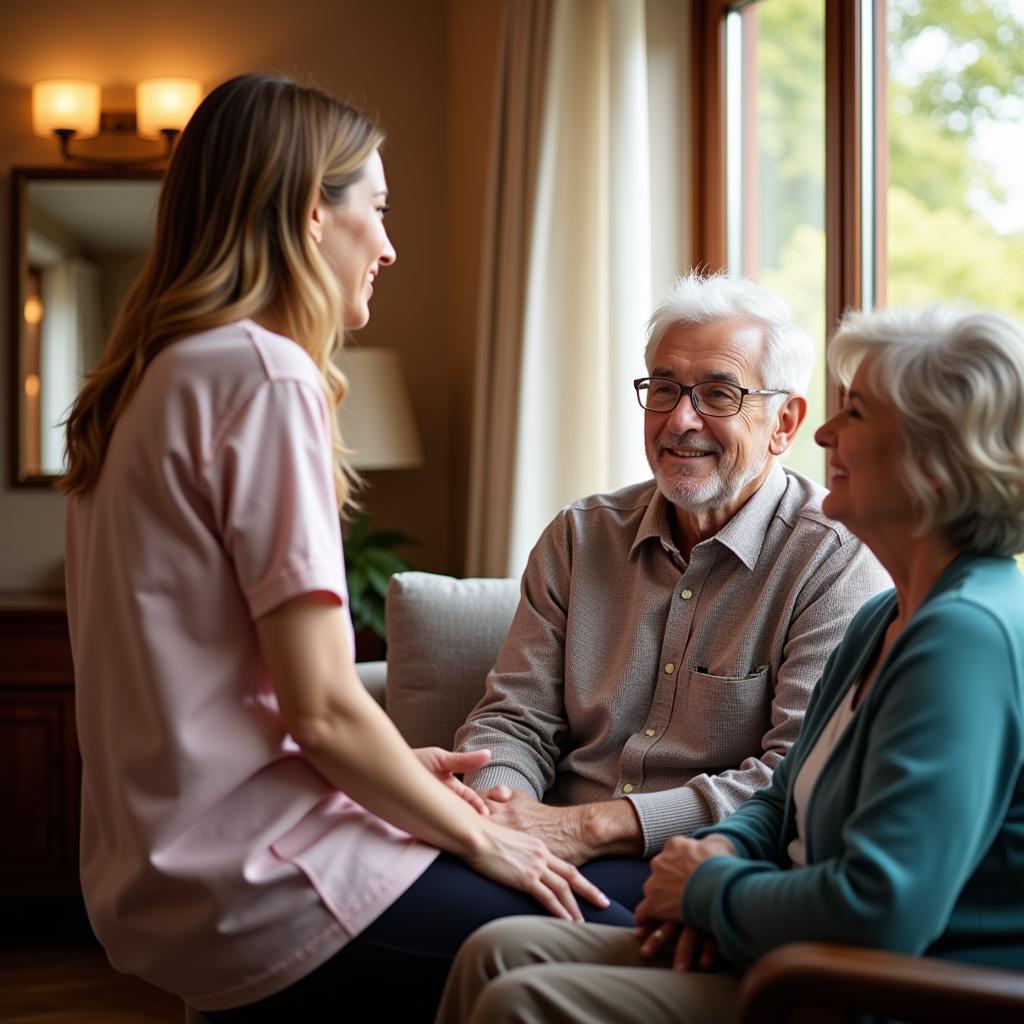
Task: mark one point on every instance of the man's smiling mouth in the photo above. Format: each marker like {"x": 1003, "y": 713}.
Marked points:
{"x": 687, "y": 453}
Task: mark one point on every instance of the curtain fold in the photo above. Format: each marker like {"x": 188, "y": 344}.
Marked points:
{"x": 587, "y": 148}
{"x": 507, "y": 245}
{"x": 579, "y": 426}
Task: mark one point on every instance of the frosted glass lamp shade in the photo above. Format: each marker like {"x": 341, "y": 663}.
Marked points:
{"x": 66, "y": 104}
{"x": 165, "y": 104}
{"x": 376, "y": 415}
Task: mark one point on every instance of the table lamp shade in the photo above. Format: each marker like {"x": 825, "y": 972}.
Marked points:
{"x": 376, "y": 415}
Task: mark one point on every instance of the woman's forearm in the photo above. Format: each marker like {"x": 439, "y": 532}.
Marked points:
{"x": 347, "y": 736}
{"x": 349, "y": 739}
{"x": 357, "y": 748}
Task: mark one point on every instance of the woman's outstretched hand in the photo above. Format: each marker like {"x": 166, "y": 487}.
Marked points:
{"x": 516, "y": 859}
{"x": 445, "y": 764}
{"x": 522, "y": 861}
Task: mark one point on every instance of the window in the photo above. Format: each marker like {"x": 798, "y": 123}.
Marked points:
{"x": 955, "y": 197}
{"x": 775, "y": 168}
{"x": 856, "y": 152}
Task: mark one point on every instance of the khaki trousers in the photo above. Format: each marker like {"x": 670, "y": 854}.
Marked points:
{"x": 536, "y": 970}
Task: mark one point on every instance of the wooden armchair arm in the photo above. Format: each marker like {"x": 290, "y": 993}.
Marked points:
{"x": 821, "y": 981}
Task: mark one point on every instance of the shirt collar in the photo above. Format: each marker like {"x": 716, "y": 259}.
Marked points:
{"x": 743, "y": 535}
{"x": 654, "y": 523}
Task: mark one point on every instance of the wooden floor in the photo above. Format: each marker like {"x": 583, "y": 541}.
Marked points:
{"x": 76, "y": 985}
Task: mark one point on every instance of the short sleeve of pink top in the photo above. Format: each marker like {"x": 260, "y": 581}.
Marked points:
{"x": 216, "y": 862}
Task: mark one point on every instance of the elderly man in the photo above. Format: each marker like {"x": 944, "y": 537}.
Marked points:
{"x": 669, "y": 634}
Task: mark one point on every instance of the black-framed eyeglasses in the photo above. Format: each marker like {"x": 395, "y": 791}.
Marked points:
{"x": 709, "y": 397}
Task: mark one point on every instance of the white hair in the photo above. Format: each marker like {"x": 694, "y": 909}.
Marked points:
{"x": 955, "y": 377}
{"x": 699, "y": 298}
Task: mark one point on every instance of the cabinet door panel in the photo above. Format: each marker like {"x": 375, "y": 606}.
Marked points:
{"x": 39, "y": 786}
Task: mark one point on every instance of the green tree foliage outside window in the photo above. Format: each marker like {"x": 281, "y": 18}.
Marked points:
{"x": 955, "y": 83}
{"x": 783, "y": 230}
{"x": 955, "y": 113}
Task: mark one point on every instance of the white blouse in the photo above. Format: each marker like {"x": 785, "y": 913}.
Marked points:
{"x": 807, "y": 776}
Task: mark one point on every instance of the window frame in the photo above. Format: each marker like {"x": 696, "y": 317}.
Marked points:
{"x": 844, "y": 180}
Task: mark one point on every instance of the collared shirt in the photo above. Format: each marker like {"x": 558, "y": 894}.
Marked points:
{"x": 630, "y": 672}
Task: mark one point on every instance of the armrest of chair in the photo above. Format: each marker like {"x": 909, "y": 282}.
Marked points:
{"x": 374, "y": 676}
{"x": 821, "y": 981}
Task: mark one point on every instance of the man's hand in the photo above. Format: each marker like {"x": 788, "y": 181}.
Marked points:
{"x": 576, "y": 834}
{"x": 670, "y": 874}
{"x": 446, "y": 763}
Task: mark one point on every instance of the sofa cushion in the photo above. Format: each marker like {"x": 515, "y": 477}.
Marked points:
{"x": 443, "y": 638}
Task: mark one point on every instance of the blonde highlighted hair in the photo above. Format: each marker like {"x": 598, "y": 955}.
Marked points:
{"x": 232, "y": 241}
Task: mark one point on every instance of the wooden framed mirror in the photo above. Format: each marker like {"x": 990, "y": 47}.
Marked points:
{"x": 78, "y": 240}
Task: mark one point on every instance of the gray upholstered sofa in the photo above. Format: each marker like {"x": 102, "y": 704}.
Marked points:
{"x": 443, "y": 636}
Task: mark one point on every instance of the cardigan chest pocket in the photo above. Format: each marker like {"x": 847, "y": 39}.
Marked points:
{"x": 721, "y": 720}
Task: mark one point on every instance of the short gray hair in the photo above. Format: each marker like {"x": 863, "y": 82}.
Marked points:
{"x": 955, "y": 378}
{"x": 700, "y": 298}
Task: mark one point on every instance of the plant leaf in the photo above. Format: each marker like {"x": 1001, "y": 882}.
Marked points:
{"x": 357, "y": 580}
{"x": 384, "y": 562}
{"x": 389, "y": 539}
{"x": 357, "y": 531}
{"x": 375, "y": 620}
{"x": 378, "y": 580}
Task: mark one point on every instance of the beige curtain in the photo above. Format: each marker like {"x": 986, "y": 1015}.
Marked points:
{"x": 515, "y": 158}
{"x": 599, "y": 233}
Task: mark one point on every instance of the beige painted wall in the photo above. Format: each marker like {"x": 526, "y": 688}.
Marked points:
{"x": 426, "y": 69}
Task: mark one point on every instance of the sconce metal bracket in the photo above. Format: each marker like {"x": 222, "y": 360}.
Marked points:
{"x": 117, "y": 122}
{"x": 120, "y": 123}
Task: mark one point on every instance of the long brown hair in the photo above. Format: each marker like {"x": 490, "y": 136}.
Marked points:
{"x": 232, "y": 241}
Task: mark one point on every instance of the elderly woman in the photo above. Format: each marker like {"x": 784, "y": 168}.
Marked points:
{"x": 895, "y": 820}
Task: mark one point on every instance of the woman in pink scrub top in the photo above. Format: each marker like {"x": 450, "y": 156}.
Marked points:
{"x": 256, "y": 836}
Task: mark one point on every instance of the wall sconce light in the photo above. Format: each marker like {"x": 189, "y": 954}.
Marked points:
{"x": 70, "y": 108}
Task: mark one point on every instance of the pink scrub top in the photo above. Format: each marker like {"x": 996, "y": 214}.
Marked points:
{"x": 216, "y": 862}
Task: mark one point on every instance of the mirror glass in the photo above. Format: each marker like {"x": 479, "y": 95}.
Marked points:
{"x": 79, "y": 240}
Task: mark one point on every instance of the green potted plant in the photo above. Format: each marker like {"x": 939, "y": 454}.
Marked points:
{"x": 370, "y": 562}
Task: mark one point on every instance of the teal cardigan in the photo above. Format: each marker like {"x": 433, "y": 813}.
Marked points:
{"x": 915, "y": 828}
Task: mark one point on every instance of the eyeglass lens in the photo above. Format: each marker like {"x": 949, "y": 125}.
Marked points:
{"x": 713, "y": 397}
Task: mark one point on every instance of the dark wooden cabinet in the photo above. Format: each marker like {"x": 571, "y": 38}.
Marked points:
{"x": 39, "y": 766}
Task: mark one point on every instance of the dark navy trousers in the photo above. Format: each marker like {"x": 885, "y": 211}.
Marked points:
{"x": 396, "y": 968}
